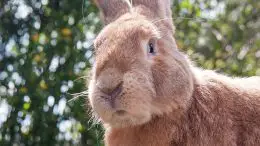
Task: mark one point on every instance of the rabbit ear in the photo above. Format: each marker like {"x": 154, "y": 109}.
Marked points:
{"x": 160, "y": 8}
{"x": 112, "y": 9}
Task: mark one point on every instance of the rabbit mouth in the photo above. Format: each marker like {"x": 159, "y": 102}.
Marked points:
{"x": 123, "y": 118}
{"x": 120, "y": 112}
{"x": 120, "y": 115}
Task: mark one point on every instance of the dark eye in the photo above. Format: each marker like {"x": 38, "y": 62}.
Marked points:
{"x": 151, "y": 48}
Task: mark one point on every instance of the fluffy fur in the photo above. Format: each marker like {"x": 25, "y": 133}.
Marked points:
{"x": 163, "y": 100}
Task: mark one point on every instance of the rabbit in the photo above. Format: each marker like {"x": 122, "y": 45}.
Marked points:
{"x": 148, "y": 93}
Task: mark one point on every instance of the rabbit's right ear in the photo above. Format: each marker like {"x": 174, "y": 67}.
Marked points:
{"x": 111, "y": 9}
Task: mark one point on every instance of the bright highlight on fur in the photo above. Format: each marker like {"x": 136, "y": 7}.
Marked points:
{"x": 147, "y": 93}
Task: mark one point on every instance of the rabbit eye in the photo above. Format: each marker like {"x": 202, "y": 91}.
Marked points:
{"x": 151, "y": 48}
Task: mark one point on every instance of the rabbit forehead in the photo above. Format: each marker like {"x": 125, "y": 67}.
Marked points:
{"x": 125, "y": 29}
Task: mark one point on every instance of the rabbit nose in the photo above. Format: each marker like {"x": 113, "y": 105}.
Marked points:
{"x": 116, "y": 91}
{"x": 112, "y": 93}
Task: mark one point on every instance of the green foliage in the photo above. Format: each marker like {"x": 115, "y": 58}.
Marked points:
{"x": 44, "y": 52}
{"x": 45, "y": 49}
{"x": 221, "y": 35}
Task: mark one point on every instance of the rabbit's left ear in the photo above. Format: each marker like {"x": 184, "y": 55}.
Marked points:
{"x": 161, "y": 8}
{"x": 111, "y": 9}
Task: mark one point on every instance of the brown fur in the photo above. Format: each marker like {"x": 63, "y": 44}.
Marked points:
{"x": 164, "y": 100}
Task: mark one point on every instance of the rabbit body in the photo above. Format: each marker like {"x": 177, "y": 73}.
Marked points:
{"x": 147, "y": 93}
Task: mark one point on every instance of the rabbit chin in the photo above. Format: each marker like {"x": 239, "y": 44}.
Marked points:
{"x": 122, "y": 118}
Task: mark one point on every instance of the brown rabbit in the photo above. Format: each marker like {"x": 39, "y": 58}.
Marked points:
{"x": 147, "y": 93}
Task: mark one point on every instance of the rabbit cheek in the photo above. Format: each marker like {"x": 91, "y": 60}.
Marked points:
{"x": 173, "y": 86}
{"x": 99, "y": 105}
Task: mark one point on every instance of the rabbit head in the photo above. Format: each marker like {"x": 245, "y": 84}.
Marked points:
{"x": 138, "y": 72}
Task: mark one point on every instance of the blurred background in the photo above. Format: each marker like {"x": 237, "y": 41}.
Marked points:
{"x": 46, "y": 53}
